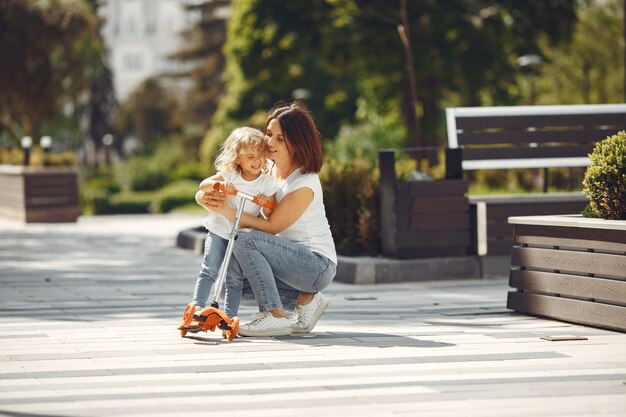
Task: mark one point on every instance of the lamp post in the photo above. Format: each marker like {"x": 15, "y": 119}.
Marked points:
{"x": 46, "y": 143}
{"x": 107, "y": 141}
{"x": 301, "y": 94}
{"x": 531, "y": 63}
{"x": 26, "y": 142}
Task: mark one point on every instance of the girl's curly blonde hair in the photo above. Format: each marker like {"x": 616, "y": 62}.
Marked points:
{"x": 233, "y": 146}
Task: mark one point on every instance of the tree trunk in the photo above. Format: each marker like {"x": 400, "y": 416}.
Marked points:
{"x": 413, "y": 123}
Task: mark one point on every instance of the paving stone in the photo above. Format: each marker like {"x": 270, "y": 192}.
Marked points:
{"x": 88, "y": 316}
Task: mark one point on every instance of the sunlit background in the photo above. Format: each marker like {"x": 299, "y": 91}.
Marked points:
{"x": 139, "y": 94}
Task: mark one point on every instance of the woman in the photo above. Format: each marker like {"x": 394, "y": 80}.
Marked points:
{"x": 293, "y": 248}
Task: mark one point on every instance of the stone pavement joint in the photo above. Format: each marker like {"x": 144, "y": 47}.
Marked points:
{"x": 88, "y": 316}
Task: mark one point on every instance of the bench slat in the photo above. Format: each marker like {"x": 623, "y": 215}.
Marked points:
{"x": 550, "y": 120}
{"x": 510, "y": 152}
{"x": 537, "y": 136}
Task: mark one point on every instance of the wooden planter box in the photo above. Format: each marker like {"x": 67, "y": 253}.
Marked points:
{"x": 422, "y": 219}
{"x": 570, "y": 268}
{"x": 39, "y": 194}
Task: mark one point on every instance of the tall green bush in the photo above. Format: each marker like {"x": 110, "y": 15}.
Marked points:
{"x": 351, "y": 200}
{"x": 605, "y": 179}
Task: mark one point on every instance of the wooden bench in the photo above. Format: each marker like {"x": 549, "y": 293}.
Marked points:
{"x": 39, "y": 194}
{"x": 524, "y": 137}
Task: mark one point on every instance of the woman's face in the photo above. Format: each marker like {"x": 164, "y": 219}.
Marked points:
{"x": 277, "y": 143}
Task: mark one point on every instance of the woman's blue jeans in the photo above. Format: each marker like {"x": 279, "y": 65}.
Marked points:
{"x": 214, "y": 251}
{"x": 272, "y": 264}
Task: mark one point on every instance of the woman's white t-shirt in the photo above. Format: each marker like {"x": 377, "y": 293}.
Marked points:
{"x": 311, "y": 229}
{"x": 263, "y": 184}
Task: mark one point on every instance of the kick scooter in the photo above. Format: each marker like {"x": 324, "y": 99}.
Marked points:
{"x": 210, "y": 318}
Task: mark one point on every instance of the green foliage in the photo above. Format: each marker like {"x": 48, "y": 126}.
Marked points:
{"x": 190, "y": 171}
{"x": 585, "y": 70}
{"x": 147, "y": 114}
{"x": 149, "y": 172}
{"x": 176, "y": 194}
{"x": 590, "y": 212}
{"x": 301, "y": 45}
{"x": 605, "y": 179}
{"x": 15, "y": 156}
{"x": 203, "y": 51}
{"x": 213, "y": 140}
{"x": 363, "y": 140}
{"x": 352, "y": 206}
{"x": 50, "y": 52}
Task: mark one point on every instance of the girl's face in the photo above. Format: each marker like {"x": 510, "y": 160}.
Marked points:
{"x": 277, "y": 143}
{"x": 250, "y": 161}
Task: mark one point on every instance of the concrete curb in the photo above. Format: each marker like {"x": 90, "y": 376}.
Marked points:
{"x": 379, "y": 270}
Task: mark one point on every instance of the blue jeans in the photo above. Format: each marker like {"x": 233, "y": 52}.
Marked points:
{"x": 214, "y": 251}
{"x": 273, "y": 265}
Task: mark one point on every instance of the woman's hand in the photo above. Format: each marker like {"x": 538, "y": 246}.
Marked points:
{"x": 212, "y": 200}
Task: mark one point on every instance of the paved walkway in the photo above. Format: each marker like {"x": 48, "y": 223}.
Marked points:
{"x": 88, "y": 313}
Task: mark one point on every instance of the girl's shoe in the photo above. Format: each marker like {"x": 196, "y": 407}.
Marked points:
{"x": 305, "y": 316}
{"x": 264, "y": 324}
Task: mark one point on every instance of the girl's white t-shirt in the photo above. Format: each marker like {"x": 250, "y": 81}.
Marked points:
{"x": 311, "y": 229}
{"x": 263, "y": 184}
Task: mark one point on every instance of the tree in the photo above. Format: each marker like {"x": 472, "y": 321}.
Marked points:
{"x": 353, "y": 54}
{"x": 461, "y": 48}
{"x": 48, "y": 50}
{"x": 278, "y": 50}
{"x": 147, "y": 114}
{"x": 585, "y": 70}
{"x": 203, "y": 60}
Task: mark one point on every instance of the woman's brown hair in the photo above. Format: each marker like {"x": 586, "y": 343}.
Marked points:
{"x": 301, "y": 134}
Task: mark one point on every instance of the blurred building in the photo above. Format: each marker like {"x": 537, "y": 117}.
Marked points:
{"x": 140, "y": 34}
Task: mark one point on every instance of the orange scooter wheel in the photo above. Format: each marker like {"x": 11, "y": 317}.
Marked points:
{"x": 188, "y": 315}
{"x": 234, "y": 328}
{"x": 187, "y": 318}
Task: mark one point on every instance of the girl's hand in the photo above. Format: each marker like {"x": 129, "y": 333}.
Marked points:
{"x": 229, "y": 188}
{"x": 262, "y": 199}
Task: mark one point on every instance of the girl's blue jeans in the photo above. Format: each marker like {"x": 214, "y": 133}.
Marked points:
{"x": 275, "y": 266}
{"x": 214, "y": 251}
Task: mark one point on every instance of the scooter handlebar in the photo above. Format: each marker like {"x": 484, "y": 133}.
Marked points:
{"x": 219, "y": 186}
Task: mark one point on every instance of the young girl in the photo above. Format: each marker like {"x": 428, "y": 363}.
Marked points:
{"x": 240, "y": 164}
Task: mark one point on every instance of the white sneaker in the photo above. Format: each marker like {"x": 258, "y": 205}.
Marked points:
{"x": 264, "y": 324}
{"x": 305, "y": 316}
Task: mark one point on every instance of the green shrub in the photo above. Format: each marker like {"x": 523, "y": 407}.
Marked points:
{"x": 352, "y": 206}
{"x": 174, "y": 195}
{"x": 149, "y": 172}
{"x": 95, "y": 191}
{"x": 15, "y": 156}
{"x": 605, "y": 179}
{"x": 100, "y": 201}
{"x": 130, "y": 203}
{"x": 192, "y": 171}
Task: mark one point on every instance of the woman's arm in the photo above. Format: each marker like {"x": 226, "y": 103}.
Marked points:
{"x": 207, "y": 184}
{"x": 288, "y": 211}
{"x": 206, "y": 187}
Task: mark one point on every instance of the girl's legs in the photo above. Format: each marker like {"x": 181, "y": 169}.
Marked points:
{"x": 265, "y": 259}
{"x": 234, "y": 288}
{"x": 214, "y": 249}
